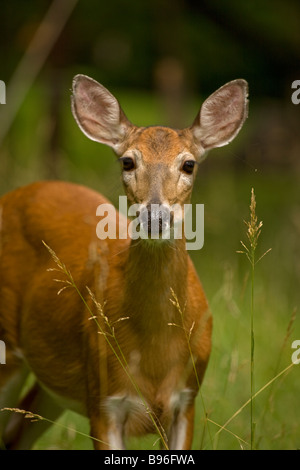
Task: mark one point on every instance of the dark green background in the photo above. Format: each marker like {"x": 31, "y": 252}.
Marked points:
{"x": 162, "y": 59}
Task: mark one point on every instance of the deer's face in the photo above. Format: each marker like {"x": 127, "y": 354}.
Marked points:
{"x": 159, "y": 164}
{"x": 158, "y": 172}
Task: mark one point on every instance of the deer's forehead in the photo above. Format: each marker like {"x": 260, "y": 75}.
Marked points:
{"x": 159, "y": 144}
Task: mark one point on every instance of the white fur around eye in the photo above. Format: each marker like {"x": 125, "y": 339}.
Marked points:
{"x": 186, "y": 179}
{"x": 128, "y": 177}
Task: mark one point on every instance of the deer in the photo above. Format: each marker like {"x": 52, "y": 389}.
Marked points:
{"x": 141, "y": 372}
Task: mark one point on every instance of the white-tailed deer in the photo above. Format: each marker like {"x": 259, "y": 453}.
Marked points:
{"x": 142, "y": 372}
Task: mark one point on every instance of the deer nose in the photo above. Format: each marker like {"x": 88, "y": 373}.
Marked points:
{"x": 155, "y": 219}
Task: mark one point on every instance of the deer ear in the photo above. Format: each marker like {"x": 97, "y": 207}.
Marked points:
{"x": 98, "y": 113}
{"x": 222, "y": 115}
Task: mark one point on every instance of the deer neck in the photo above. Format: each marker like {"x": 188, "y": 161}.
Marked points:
{"x": 151, "y": 274}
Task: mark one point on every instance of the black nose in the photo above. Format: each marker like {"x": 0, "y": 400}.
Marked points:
{"x": 155, "y": 219}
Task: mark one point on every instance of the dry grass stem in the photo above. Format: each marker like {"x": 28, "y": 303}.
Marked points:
{"x": 253, "y": 233}
{"x": 35, "y": 417}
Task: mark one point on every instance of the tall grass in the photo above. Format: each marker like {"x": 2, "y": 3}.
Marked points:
{"x": 253, "y": 233}
{"x": 265, "y": 298}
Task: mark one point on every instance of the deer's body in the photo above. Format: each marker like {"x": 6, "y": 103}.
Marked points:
{"x": 53, "y": 335}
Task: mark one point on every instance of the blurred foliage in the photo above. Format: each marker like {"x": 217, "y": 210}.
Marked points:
{"x": 122, "y": 43}
{"x": 162, "y": 59}
{"x": 167, "y": 55}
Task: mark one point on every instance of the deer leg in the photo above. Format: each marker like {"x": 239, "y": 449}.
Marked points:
{"x": 181, "y": 432}
{"x": 108, "y": 430}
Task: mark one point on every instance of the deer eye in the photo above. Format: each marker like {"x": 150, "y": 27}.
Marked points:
{"x": 188, "y": 166}
{"x": 127, "y": 163}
